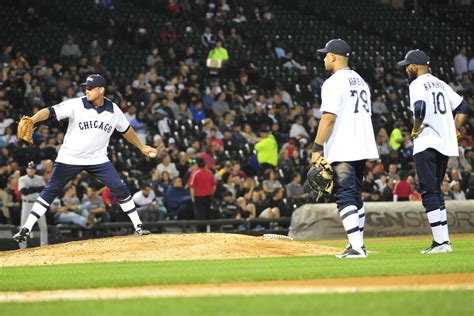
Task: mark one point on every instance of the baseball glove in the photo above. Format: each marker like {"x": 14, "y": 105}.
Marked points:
{"x": 320, "y": 178}
{"x": 25, "y": 129}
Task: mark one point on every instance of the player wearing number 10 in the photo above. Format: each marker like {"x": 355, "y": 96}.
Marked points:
{"x": 347, "y": 137}
{"x": 433, "y": 103}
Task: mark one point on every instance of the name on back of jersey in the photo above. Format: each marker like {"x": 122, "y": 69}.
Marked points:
{"x": 433, "y": 84}
{"x": 356, "y": 82}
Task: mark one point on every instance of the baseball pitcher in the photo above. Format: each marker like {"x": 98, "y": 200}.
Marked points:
{"x": 92, "y": 121}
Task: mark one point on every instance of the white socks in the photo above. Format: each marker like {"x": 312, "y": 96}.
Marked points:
{"x": 361, "y": 213}
{"x": 443, "y": 218}
{"x": 434, "y": 218}
{"x": 129, "y": 208}
{"x": 350, "y": 221}
{"x": 39, "y": 208}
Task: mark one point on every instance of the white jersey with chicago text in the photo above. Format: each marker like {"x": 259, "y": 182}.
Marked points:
{"x": 441, "y": 100}
{"x": 89, "y": 130}
{"x": 347, "y": 95}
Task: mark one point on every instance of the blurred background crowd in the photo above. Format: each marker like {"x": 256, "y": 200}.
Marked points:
{"x": 231, "y": 87}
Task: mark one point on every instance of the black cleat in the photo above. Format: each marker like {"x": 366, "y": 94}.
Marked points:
{"x": 22, "y": 235}
{"x": 141, "y": 231}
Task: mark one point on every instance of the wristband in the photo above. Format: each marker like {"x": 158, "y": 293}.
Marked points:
{"x": 317, "y": 148}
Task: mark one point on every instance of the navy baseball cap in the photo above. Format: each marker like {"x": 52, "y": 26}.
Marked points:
{"x": 94, "y": 81}
{"x": 415, "y": 57}
{"x": 31, "y": 165}
{"x": 336, "y": 46}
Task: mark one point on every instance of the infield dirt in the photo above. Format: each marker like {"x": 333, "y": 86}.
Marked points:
{"x": 163, "y": 247}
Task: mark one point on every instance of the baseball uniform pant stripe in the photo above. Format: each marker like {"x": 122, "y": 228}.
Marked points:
{"x": 362, "y": 215}
{"x": 35, "y": 214}
{"x": 435, "y": 224}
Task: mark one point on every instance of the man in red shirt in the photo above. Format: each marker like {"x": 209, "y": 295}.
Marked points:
{"x": 202, "y": 185}
{"x": 402, "y": 190}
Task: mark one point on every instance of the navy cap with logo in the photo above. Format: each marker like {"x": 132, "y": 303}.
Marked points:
{"x": 94, "y": 81}
{"x": 336, "y": 46}
{"x": 31, "y": 165}
{"x": 415, "y": 57}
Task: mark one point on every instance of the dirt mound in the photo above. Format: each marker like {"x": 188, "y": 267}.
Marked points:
{"x": 163, "y": 247}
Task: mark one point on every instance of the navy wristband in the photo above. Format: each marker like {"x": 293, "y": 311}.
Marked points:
{"x": 317, "y": 148}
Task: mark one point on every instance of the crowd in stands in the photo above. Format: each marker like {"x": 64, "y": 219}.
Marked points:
{"x": 253, "y": 137}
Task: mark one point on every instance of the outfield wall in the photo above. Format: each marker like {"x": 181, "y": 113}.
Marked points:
{"x": 317, "y": 221}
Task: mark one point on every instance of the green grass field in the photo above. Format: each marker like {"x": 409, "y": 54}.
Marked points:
{"x": 388, "y": 257}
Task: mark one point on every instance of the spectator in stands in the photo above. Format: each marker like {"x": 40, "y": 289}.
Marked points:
{"x": 271, "y": 183}
{"x": 275, "y": 207}
{"x": 460, "y": 62}
{"x": 69, "y": 210}
{"x": 139, "y": 124}
{"x": 207, "y": 38}
{"x": 297, "y": 128}
{"x": 290, "y": 63}
{"x": 147, "y": 205}
{"x": 70, "y": 49}
{"x": 396, "y": 137}
{"x": 448, "y": 195}
{"x": 178, "y": 201}
{"x": 94, "y": 49}
{"x": 154, "y": 57}
{"x": 467, "y": 84}
{"x": 387, "y": 193}
{"x": 295, "y": 191}
{"x": 402, "y": 189}
{"x": 173, "y": 8}
{"x": 95, "y": 205}
{"x": 218, "y": 55}
{"x": 197, "y": 111}
{"x": 228, "y": 208}
{"x": 202, "y": 186}
{"x": 267, "y": 150}
{"x": 4, "y": 123}
{"x": 168, "y": 166}
{"x": 4, "y": 203}
{"x": 246, "y": 210}
{"x": 220, "y": 105}
{"x": 368, "y": 185}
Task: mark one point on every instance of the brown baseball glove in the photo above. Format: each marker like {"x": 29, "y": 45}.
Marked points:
{"x": 25, "y": 129}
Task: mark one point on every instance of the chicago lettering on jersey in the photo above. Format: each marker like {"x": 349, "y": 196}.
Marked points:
{"x": 95, "y": 124}
{"x": 356, "y": 81}
{"x": 433, "y": 84}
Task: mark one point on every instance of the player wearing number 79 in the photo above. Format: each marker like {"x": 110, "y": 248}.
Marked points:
{"x": 433, "y": 103}
{"x": 346, "y": 134}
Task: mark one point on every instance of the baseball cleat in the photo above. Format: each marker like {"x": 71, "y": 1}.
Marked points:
{"x": 22, "y": 235}
{"x": 448, "y": 245}
{"x": 352, "y": 253}
{"x": 141, "y": 231}
{"x": 437, "y": 248}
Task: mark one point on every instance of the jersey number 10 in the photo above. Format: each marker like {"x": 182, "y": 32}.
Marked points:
{"x": 437, "y": 97}
{"x": 362, "y": 96}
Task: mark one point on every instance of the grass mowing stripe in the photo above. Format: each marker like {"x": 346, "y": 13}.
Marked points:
{"x": 392, "y": 258}
{"x": 428, "y": 303}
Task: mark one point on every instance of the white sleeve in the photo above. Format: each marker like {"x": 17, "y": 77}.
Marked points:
{"x": 452, "y": 97}
{"x": 330, "y": 97}
{"x": 122, "y": 123}
{"x": 64, "y": 110}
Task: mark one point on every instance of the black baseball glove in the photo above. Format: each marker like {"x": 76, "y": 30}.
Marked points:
{"x": 320, "y": 178}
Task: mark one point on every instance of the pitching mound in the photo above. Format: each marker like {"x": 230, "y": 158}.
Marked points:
{"x": 163, "y": 247}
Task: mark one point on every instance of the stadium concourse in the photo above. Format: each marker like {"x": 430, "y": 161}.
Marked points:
{"x": 178, "y": 86}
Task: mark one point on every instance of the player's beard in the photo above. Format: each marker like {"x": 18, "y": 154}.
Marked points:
{"x": 412, "y": 76}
